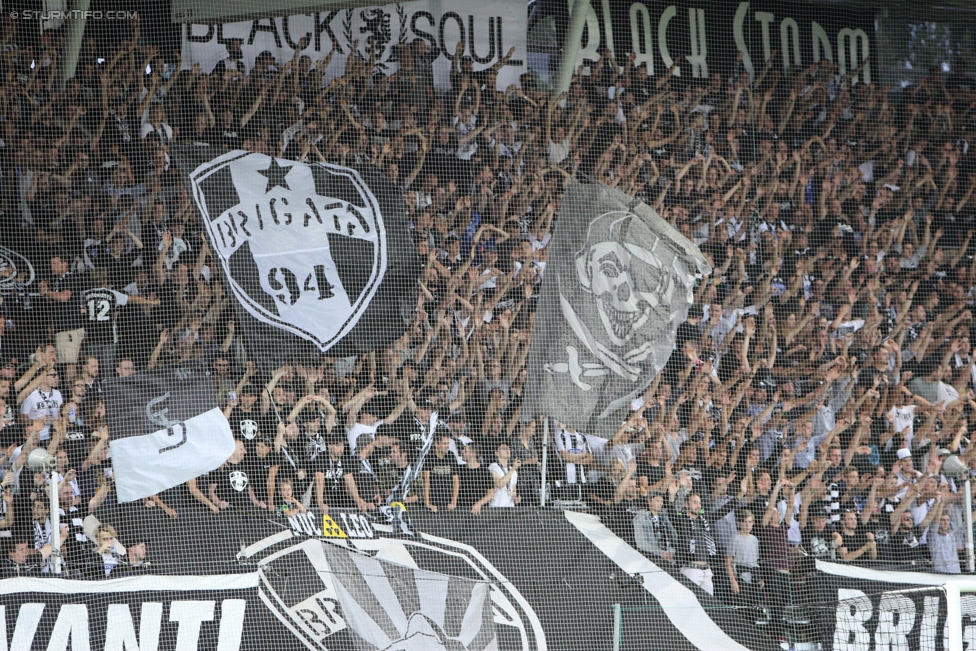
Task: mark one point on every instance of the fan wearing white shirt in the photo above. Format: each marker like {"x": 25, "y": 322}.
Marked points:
{"x": 902, "y": 418}
{"x": 466, "y": 125}
{"x": 172, "y": 246}
{"x": 362, "y": 422}
{"x": 43, "y": 403}
{"x": 505, "y": 474}
{"x": 964, "y": 357}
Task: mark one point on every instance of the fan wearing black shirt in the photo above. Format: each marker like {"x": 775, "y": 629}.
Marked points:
{"x": 228, "y": 486}
{"x": 100, "y": 308}
{"x": 442, "y": 159}
{"x": 61, "y": 296}
{"x": 651, "y": 466}
{"x": 229, "y": 130}
{"x": 425, "y": 424}
{"x": 72, "y": 517}
{"x": 388, "y": 465}
{"x": 815, "y": 535}
{"x": 335, "y": 483}
{"x": 618, "y": 515}
{"x": 442, "y": 483}
{"x": 477, "y": 484}
{"x": 18, "y": 561}
{"x": 262, "y": 470}
{"x": 905, "y": 546}
{"x": 202, "y": 133}
{"x": 118, "y": 263}
{"x": 246, "y": 422}
{"x": 296, "y": 461}
{"x": 362, "y": 483}
{"x": 851, "y": 542}
{"x": 89, "y": 372}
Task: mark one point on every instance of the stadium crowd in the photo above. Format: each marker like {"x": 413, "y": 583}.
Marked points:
{"x": 823, "y": 375}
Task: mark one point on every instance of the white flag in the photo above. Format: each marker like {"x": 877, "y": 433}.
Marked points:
{"x": 146, "y": 465}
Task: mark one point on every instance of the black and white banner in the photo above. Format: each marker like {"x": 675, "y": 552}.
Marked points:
{"x": 864, "y": 609}
{"x": 334, "y": 583}
{"x": 619, "y": 281}
{"x": 705, "y": 38}
{"x": 166, "y": 430}
{"x": 360, "y": 590}
{"x": 349, "y": 599}
{"x": 16, "y": 272}
{"x": 149, "y": 613}
{"x": 318, "y": 257}
{"x": 486, "y": 31}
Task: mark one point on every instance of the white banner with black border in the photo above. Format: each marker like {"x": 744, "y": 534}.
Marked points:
{"x": 866, "y": 609}
{"x": 486, "y": 30}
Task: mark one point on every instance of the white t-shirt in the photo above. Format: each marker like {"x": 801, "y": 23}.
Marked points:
{"x": 904, "y": 419}
{"x": 489, "y": 277}
{"x": 503, "y": 496}
{"x": 468, "y": 149}
{"x": 75, "y": 488}
{"x": 13, "y": 457}
{"x": 919, "y": 511}
{"x": 558, "y": 151}
{"x": 359, "y": 429}
{"x": 537, "y": 244}
{"x": 505, "y": 150}
{"x": 40, "y": 404}
{"x": 165, "y": 132}
{"x": 947, "y": 393}
{"x": 601, "y": 457}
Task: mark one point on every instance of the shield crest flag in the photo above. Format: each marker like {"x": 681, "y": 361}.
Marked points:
{"x": 317, "y": 257}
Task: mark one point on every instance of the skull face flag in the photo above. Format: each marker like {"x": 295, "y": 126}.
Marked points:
{"x": 618, "y": 282}
{"x": 317, "y": 257}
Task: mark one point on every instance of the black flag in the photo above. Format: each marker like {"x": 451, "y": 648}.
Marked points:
{"x": 317, "y": 257}
{"x": 144, "y": 402}
{"x": 618, "y": 283}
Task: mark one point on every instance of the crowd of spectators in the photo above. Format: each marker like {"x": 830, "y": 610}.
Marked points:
{"x": 824, "y": 373}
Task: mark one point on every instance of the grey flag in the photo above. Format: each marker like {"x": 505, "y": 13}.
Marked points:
{"x": 618, "y": 282}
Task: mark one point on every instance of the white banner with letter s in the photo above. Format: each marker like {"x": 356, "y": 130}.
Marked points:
{"x": 145, "y": 465}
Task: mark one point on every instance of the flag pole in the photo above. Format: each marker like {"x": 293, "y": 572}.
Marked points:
{"x": 55, "y": 523}
{"x": 545, "y": 460}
